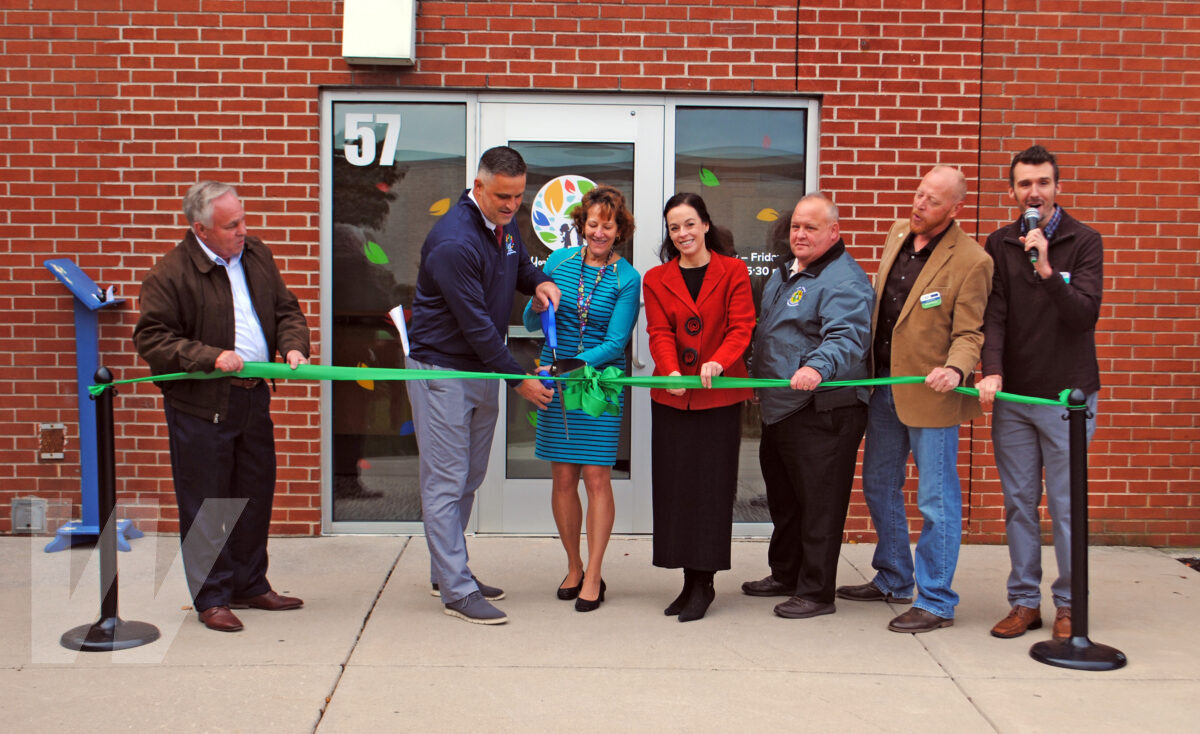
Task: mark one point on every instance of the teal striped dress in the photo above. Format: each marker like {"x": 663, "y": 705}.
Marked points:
{"x": 612, "y": 315}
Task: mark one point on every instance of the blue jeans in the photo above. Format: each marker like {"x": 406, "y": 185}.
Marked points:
{"x": 939, "y": 498}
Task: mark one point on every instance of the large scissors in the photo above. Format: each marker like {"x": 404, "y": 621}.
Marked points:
{"x": 558, "y": 367}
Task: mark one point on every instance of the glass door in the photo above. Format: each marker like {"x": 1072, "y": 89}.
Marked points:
{"x": 568, "y": 148}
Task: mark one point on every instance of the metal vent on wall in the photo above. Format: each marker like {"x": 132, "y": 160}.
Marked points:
{"x": 29, "y": 515}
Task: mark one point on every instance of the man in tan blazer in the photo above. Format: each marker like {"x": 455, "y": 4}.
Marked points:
{"x": 930, "y": 295}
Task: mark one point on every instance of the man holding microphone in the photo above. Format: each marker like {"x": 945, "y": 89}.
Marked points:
{"x": 1039, "y": 339}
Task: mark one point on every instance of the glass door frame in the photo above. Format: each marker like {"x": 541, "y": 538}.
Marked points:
{"x": 516, "y": 506}
{"x": 812, "y": 143}
{"x": 474, "y": 148}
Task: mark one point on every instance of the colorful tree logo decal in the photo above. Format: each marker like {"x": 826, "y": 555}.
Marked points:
{"x": 552, "y": 207}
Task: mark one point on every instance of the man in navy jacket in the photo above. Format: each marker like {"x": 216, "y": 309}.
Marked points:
{"x": 471, "y": 263}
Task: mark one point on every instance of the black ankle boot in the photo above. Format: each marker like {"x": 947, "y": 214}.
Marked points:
{"x": 701, "y": 596}
{"x": 676, "y": 606}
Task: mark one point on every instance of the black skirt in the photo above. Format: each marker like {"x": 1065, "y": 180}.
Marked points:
{"x": 694, "y": 472}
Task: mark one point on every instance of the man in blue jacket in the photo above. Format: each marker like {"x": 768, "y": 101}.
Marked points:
{"x": 815, "y": 327}
{"x": 471, "y": 264}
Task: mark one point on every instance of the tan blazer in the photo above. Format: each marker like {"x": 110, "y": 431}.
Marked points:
{"x": 950, "y": 334}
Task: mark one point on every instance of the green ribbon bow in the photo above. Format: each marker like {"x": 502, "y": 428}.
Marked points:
{"x": 595, "y": 393}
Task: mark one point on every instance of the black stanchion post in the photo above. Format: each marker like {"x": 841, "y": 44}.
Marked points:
{"x": 1078, "y": 651}
{"x": 110, "y": 632}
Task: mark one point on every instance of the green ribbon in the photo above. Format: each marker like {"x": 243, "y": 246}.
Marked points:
{"x": 593, "y": 392}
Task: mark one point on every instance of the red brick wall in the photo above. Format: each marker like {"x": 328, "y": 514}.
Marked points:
{"x": 108, "y": 115}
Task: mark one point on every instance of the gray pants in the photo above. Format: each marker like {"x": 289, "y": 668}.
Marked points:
{"x": 1028, "y": 438}
{"x": 454, "y": 422}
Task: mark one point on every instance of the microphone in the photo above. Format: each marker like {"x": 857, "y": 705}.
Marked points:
{"x": 1031, "y": 218}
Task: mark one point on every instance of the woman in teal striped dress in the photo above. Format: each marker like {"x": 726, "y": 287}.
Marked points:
{"x": 594, "y": 320}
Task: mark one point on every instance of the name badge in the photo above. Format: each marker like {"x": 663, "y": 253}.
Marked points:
{"x": 930, "y": 300}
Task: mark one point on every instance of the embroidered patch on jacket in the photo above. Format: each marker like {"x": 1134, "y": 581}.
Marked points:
{"x": 796, "y": 296}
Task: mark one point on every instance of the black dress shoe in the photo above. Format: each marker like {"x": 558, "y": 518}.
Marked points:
{"x": 919, "y": 620}
{"x": 567, "y": 593}
{"x": 797, "y": 608}
{"x": 590, "y": 605}
{"x": 767, "y": 587}
{"x": 869, "y": 592}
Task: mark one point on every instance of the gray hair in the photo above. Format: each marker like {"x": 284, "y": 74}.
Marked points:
{"x": 198, "y": 202}
{"x": 830, "y": 208}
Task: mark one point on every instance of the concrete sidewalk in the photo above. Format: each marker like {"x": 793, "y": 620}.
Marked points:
{"x": 371, "y": 650}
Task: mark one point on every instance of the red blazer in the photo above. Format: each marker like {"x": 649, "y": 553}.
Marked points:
{"x": 685, "y": 334}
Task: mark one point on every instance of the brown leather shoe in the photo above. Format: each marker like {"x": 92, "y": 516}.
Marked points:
{"x": 1018, "y": 620}
{"x": 220, "y": 619}
{"x": 919, "y": 620}
{"x": 1062, "y": 623}
{"x": 270, "y": 601}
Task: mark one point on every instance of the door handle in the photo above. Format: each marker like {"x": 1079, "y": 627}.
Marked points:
{"x": 637, "y": 362}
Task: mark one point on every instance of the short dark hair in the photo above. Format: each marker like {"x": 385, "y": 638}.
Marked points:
{"x": 718, "y": 239}
{"x": 612, "y": 204}
{"x": 501, "y": 160}
{"x": 1034, "y": 155}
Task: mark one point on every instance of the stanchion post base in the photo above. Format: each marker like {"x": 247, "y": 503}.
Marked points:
{"x": 76, "y": 533}
{"x": 109, "y": 634}
{"x": 1078, "y": 653}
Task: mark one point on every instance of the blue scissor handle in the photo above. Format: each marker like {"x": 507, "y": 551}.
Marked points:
{"x": 549, "y": 329}
{"x": 551, "y": 332}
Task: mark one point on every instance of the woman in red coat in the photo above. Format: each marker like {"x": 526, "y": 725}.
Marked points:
{"x": 700, "y": 318}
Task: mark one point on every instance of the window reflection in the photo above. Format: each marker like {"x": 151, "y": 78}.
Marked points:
{"x": 749, "y": 165}
{"x": 403, "y": 167}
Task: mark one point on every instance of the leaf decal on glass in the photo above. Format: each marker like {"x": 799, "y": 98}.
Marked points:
{"x": 532, "y": 418}
{"x": 375, "y": 253}
{"x": 554, "y": 197}
{"x": 365, "y": 384}
{"x": 585, "y": 186}
{"x": 571, "y": 209}
{"x": 708, "y": 178}
{"x": 570, "y": 187}
{"x": 766, "y": 141}
{"x": 548, "y": 237}
{"x": 440, "y": 207}
{"x": 540, "y": 218}
{"x": 767, "y": 215}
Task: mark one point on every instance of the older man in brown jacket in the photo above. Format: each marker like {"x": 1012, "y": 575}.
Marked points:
{"x": 931, "y": 292}
{"x": 213, "y": 302}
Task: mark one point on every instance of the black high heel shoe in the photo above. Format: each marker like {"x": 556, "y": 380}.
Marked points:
{"x": 590, "y": 605}
{"x": 570, "y": 592}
